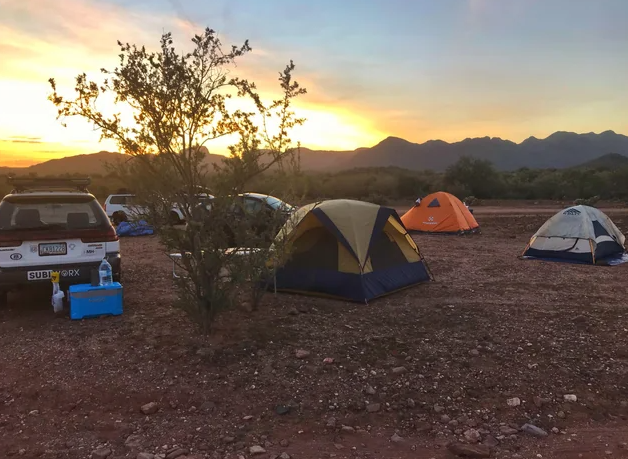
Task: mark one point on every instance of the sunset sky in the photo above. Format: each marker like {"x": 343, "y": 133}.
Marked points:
{"x": 417, "y": 69}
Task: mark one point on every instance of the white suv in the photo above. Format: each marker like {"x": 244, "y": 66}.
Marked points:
{"x": 53, "y": 225}
{"x": 121, "y": 207}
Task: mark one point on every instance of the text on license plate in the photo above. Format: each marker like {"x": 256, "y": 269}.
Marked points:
{"x": 55, "y": 248}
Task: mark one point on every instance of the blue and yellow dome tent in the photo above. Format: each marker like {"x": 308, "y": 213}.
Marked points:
{"x": 347, "y": 249}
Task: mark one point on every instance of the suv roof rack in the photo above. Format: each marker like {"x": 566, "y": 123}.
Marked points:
{"x": 22, "y": 184}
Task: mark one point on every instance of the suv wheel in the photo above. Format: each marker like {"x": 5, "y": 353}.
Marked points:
{"x": 118, "y": 217}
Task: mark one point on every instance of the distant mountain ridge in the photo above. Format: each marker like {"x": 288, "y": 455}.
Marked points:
{"x": 560, "y": 150}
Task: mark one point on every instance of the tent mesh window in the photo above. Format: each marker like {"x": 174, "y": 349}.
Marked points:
{"x": 316, "y": 248}
{"x": 434, "y": 203}
{"x": 385, "y": 253}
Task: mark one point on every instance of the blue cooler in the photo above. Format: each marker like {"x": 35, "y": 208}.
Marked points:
{"x": 89, "y": 301}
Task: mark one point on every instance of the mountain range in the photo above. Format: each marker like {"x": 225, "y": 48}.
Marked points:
{"x": 559, "y": 150}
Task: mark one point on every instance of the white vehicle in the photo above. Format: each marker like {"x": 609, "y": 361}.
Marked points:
{"x": 51, "y": 225}
{"x": 121, "y": 207}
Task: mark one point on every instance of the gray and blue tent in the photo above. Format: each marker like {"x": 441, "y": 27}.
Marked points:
{"x": 578, "y": 234}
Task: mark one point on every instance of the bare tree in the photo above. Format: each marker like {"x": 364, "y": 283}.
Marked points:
{"x": 179, "y": 106}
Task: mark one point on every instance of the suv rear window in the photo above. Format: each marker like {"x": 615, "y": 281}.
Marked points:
{"x": 51, "y": 212}
{"x": 121, "y": 200}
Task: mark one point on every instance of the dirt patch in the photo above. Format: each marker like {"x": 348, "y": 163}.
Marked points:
{"x": 491, "y": 328}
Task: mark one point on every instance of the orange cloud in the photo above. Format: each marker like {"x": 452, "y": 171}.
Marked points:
{"x": 40, "y": 39}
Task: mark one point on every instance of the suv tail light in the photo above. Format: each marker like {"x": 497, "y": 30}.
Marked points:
{"x": 108, "y": 235}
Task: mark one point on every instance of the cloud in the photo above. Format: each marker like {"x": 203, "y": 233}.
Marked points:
{"x": 40, "y": 39}
{"x": 22, "y": 139}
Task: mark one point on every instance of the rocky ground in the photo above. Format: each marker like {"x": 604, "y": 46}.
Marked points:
{"x": 499, "y": 357}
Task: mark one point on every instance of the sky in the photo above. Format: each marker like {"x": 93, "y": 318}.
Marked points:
{"x": 416, "y": 69}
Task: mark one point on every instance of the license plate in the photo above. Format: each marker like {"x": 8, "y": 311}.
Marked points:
{"x": 56, "y": 248}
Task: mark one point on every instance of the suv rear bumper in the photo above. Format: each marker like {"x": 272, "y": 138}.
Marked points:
{"x": 75, "y": 273}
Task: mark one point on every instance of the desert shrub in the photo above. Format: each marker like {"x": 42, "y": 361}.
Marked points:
{"x": 179, "y": 106}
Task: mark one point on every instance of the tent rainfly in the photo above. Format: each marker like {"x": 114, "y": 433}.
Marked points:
{"x": 441, "y": 213}
{"x": 348, "y": 249}
{"x": 579, "y": 234}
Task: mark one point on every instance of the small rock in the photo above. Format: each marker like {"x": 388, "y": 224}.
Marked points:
{"x": 150, "y": 408}
{"x": 145, "y": 456}
{"x": 101, "y": 453}
{"x": 622, "y": 445}
{"x": 331, "y": 423}
{"x": 256, "y": 450}
{"x": 561, "y": 415}
{"x": 208, "y": 406}
{"x": 396, "y": 438}
{"x": 328, "y": 360}
{"x": 540, "y": 402}
{"x": 439, "y": 409}
{"x": 555, "y": 430}
{"x": 33, "y": 413}
{"x": 608, "y": 452}
{"x": 373, "y": 407}
{"x": 533, "y": 430}
{"x": 474, "y": 352}
{"x": 302, "y": 354}
{"x": 515, "y": 401}
{"x": 177, "y": 453}
{"x": 284, "y": 443}
{"x": 472, "y": 436}
{"x": 506, "y": 430}
{"x": 347, "y": 429}
{"x": 445, "y": 419}
{"x": 247, "y": 418}
{"x": 369, "y": 390}
{"x": 284, "y": 455}
{"x": 133, "y": 441}
{"x": 410, "y": 403}
{"x": 470, "y": 451}
{"x": 570, "y": 398}
{"x": 490, "y": 441}
{"x": 399, "y": 370}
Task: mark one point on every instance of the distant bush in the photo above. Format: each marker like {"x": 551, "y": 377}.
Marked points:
{"x": 471, "y": 200}
{"x": 592, "y": 201}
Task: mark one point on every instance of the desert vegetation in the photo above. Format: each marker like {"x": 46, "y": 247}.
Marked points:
{"x": 468, "y": 177}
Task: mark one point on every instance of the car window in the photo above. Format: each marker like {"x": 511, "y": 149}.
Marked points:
{"x": 118, "y": 200}
{"x": 277, "y": 204}
{"x": 252, "y": 205}
{"x": 45, "y": 212}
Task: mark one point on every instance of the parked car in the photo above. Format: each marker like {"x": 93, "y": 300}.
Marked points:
{"x": 261, "y": 210}
{"x": 51, "y": 225}
{"x": 122, "y": 207}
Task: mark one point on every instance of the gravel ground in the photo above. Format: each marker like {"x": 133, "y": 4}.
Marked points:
{"x": 495, "y": 343}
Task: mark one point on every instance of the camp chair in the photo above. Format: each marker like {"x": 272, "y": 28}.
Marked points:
{"x": 176, "y": 259}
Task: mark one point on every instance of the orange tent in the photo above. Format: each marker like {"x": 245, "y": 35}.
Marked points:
{"x": 440, "y": 212}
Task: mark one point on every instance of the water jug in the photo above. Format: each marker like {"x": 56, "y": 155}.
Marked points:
{"x": 105, "y": 273}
